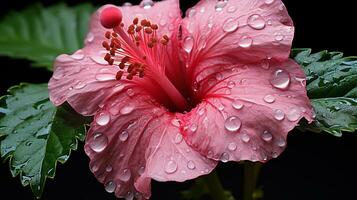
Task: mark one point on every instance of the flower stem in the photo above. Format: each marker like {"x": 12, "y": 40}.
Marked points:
{"x": 251, "y": 174}
{"x": 214, "y": 186}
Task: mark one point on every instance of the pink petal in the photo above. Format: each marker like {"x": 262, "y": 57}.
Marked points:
{"x": 133, "y": 140}
{"x": 248, "y": 111}
{"x": 241, "y": 30}
{"x": 84, "y": 78}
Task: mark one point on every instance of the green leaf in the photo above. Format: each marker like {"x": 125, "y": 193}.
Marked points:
{"x": 332, "y": 88}
{"x": 34, "y": 134}
{"x": 40, "y": 34}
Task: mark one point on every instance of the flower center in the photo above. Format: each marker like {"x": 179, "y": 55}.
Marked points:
{"x": 141, "y": 56}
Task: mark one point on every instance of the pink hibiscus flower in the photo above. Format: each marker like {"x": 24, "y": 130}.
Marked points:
{"x": 173, "y": 96}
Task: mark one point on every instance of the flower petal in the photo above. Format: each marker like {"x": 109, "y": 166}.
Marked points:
{"x": 240, "y": 30}
{"x": 133, "y": 140}
{"x": 84, "y": 78}
{"x": 248, "y": 111}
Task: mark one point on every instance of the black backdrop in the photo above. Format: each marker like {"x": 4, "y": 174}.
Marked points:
{"x": 314, "y": 166}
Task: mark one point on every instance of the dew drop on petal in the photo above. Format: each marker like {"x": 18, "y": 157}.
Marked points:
{"x": 280, "y": 79}
{"x": 256, "y": 22}
{"x": 279, "y": 115}
{"x": 237, "y": 104}
{"x": 130, "y": 92}
{"x": 269, "y": 1}
{"x": 124, "y": 135}
{"x": 63, "y": 58}
{"x": 103, "y": 119}
{"x": 231, "y": 84}
{"x": 231, "y": 9}
{"x": 90, "y": 37}
{"x": 109, "y": 168}
{"x": 232, "y": 146}
{"x": 125, "y": 175}
{"x": 129, "y": 196}
{"x": 147, "y": 4}
{"x": 193, "y": 127}
{"x": 110, "y": 186}
{"x": 279, "y": 37}
{"x": 78, "y": 55}
{"x": 293, "y": 114}
{"x": 127, "y": 4}
{"x": 99, "y": 142}
{"x": 175, "y": 122}
{"x": 201, "y": 111}
{"x": 178, "y": 138}
{"x": 162, "y": 22}
{"x": 224, "y": 157}
{"x": 230, "y": 25}
{"x": 191, "y": 165}
{"x": 127, "y": 109}
{"x": 269, "y": 98}
{"x": 99, "y": 60}
{"x": 245, "y": 138}
{"x": 267, "y": 136}
{"x": 141, "y": 170}
{"x": 105, "y": 77}
{"x": 245, "y": 42}
{"x": 188, "y": 44}
{"x": 220, "y": 5}
{"x": 170, "y": 167}
{"x": 232, "y": 124}
{"x": 191, "y": 12}
{"x": 265, "y": 64}
{"x": 281, "y": 142}
{"x": 80, "y": 85}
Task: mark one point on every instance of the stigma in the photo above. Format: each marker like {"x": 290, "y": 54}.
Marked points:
{"x": 136, "y": 49}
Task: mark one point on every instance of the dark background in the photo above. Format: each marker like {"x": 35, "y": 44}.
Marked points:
{"x": 313, "y": 167}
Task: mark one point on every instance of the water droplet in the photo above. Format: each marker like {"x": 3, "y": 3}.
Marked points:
{"x": 232, "y": 146}
{"x": 175, "y": 122}
{"x": 125, "y": 175}
{"x": 230, "y": 25}
{"x": 63, "y": 58}
{"x": 162, "y": 22}
{"x": 279, "y": 115}
{"x": 99, "y": 60}
{"x": 130, "y": 92}
{"x": 109, "y": 168}
{"x": 201, "y": 111}
{"x": 245, "y": 138}
{"x": 90, "y": 37}
{"x": 245, "y": 42}
{"x": 281, "y": 142}
{"x": 219, "y": 76}
{"x": 301, "y": 80}
{"x": 256, "y": 22}
{"x": 178, "y": 138}
{"x": 171, "y": 167}
{"x": 147, "y": 4}
{"x": 191, "y": 165}
{"x": 269, "y": 1}
{"x": 103, "y": 119}
{"x": 80, "y": 85}
{"x": 29, "y": 143}
{"x": 237, "y": 104}
{"x": 220, "y": 5}
{"x": 105, "y": 77}
{"x": 124, "y": 135}
{"x": 188, "y": 44}
{"x": 118, "y": 88}
{"x": 129, "y": 196}
{"x": 224, "y": 157}
{"x": 127, "y": 109}
{"x": 293, "y": 114}
{"x": 78, "y": 55}
{"x": 110, "y": 186}
{"x": 127, "y": 4}
{"x": 279, "y": 37}
{"x": 280, "y": 79}
{"x": 232, "y": 124}
{"x": 265, "y": 64}
{"x": 231, "y": 9}
{"x": 141, "y": 170}
{"x": 99, "y": 142}
{"x": 231, "y": 84}
{"x": 202, "y": 10}
{"x": 191, "y": 12}
{"x": 266, "y": 136}
{"x": 193, "y": 127}
{"x": 269, "y": 98}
